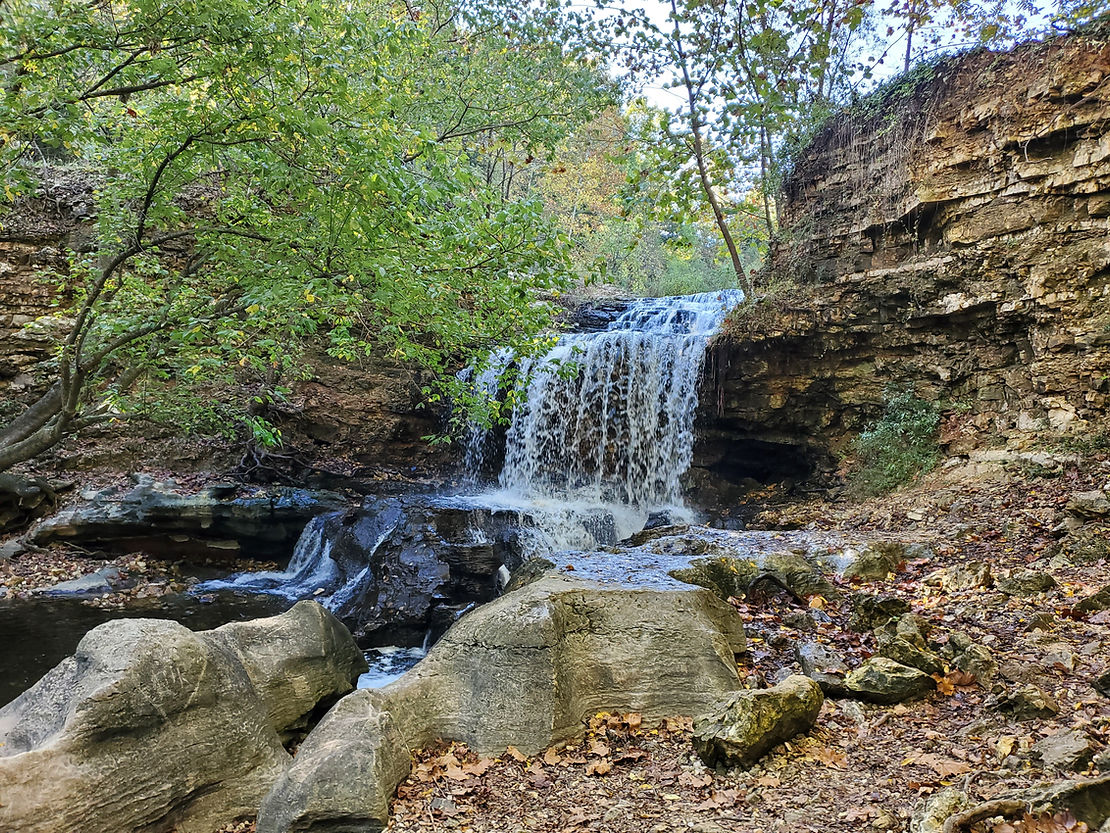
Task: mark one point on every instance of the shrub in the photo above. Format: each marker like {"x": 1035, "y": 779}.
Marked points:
{"x": 899, "y": 446}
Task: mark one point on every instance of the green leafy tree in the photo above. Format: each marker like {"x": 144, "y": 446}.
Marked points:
{"x": 270, "y": 174}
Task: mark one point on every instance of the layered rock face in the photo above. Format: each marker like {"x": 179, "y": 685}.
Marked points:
{"x": 950, "y": 234}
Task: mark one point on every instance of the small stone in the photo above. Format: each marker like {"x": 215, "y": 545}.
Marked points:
{"x": 744, "y": 727}
{"x": 901, "y": 650}
{"x": 1088, "y": 506}
{"x": 970, "y": 576}
{"x": 870, "y": 611}
{"x": 1102, "y": 684}
{"x": 11, "y": 549}
{"x": 1026, "y": 702}
{"x": 876, "y": 562}
{"x": 1044, "y": 621}
{"x": 1025, "y": 583}
{"x": 1069, "y": 750}
{"x": 799, "y": 620}
{"x": 822, "y": 666}
{"x": 1094, "y": 603}
{"x": 932, "y": 815}
{"x": 882, "y": 680}
{"x": 1059, "y": 655}
{"x": 977, "y": 661}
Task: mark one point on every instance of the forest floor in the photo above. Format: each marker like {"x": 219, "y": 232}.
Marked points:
{"x": 864, "y": 767}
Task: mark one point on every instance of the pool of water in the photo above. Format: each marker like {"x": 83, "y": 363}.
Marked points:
{"x": 37, "y": 634}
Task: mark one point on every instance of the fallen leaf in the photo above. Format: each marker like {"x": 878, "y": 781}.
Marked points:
{"x": 516, "y": 754}
{"x": 768, "y": 781}
{"x": 598, "y": 768}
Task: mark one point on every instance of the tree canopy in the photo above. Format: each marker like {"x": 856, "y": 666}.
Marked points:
{"x": 270, "y": 173}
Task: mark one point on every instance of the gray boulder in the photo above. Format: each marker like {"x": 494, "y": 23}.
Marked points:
{"x": 869, "y": 611}
{"x": 743, "y": 728}
{"x": 882, "y": 680}
{"x": 526, "y": 670}
{"x": 1025, "y": 702}
{"x": 904, "y": 641}
{"x": 149, "y": 726}
{"x": 298, "y": 662}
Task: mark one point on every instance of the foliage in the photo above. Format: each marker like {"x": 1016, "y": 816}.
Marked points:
{"x": 270, "y": 174}
{"x": 899, "y": 446}
{"x": 623, "y": 232}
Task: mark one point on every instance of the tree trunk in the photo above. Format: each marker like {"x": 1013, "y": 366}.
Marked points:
{"x": 699, "y": 158}
{"x": 35, "y": 417}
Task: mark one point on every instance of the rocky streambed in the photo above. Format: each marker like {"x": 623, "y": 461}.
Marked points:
{"x": 956, "y": 634}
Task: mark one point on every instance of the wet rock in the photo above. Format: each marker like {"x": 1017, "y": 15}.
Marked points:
{"x": 155, "y": 517}
{"x": 299, "y": 662}
{"x": 527, "y": 670}
{"x": 149, "y": 726}
{"x": 877, "y": 561}
{"x": 798, "y": 573}
{"x": 869, "y": 611}
{"x": 531, "y": 570}
{"x": 1095, "y": 602}
{"x": 882, "y": 680}
{"x": 1087, "y": 799}
{"x": 723, "y": 575}
{"x": 104, "y": 580}
{"x": 822, "y": 666}
{"x": 1025, "y": 702}
{"x": 1070, "y": 750}
{"x": 971, "y": 576}
{"x": 401, "y": 564}
{"x": 743, "y": 728}
{"x": 1025, "y": 583}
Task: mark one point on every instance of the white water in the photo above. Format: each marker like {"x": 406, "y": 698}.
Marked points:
{"x": 605, "y": 421}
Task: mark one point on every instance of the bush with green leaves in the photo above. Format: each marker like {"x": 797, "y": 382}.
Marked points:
{"x": 899, "y": 446}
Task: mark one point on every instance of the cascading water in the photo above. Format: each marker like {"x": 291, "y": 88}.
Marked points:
{"x": 601, "y": 434}
{"x": 604, "y": 422}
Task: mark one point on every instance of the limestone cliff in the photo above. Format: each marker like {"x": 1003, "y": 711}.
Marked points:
{"x": 950, "y": 233}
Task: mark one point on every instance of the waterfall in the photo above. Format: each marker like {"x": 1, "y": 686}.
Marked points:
{"x": 605, "y": 419}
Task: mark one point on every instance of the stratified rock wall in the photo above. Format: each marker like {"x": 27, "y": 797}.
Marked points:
{"x": 950, "y": 234}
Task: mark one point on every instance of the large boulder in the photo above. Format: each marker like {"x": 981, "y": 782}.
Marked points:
{"x": 148, "y": 727}
{"x": 299, "y": 662}
{"x": 525, "y": 670}
{"x": 743, "y": 728}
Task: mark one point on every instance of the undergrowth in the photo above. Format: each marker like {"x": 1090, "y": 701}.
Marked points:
{"x": 898, "y": 447}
